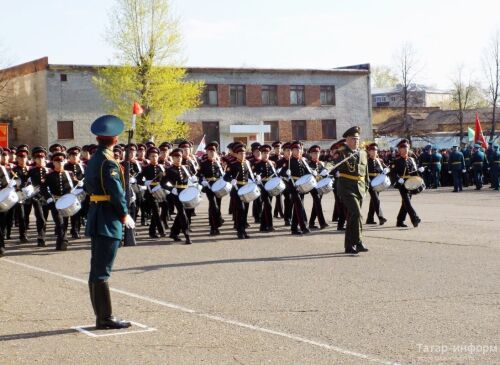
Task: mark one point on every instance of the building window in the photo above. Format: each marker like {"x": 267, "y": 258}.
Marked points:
{"x": 211, "y": 131}
{"x": 64, "y": 77}
{"x": 237, "y": 93}
{"x": 393, "y": 98}
{"x": 209, "y": 96}
{"x": 299, "y": 131}
{"x": 65, "y": 130}
{"x": 274, "y": 135}
{"x": 329, "y": 128}
{"x": 327, "y": 95}
{"x": 269, "y": 95}
{"x": 297, "y": 95}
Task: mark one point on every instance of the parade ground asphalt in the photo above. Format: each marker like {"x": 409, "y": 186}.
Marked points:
{"x": 426, "y": 295}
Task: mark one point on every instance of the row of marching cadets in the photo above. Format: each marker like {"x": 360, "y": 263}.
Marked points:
{"x": 30, "y": 185}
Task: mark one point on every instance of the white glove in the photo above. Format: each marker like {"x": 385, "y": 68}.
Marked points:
{"x": 288, "y": 172}
{"x": 80, "y": 184}
{"x": 314, "y": 173}
{"x": 449, "y": 172}
{"x": 234, "y": 182}
{"x": 463, "y": 171}
{"x": 193, "y": 179}
{"x": 324, "y": 173}
{"x": 386, "y": 171}
{"x": 204, "y": 183}
{"x": 421, "y": 169}
{"x": 142, "y": 187}
{"x": 12, "y": 183}
{"x": 148, "y": 182}
{"x": 28, "y": 190}
{"x": 174, "y": 191}
{"x": 337, "y": 174}
{"x": 129, "y": 222}
{"x": 401, "y": 181}
{"x": 258, "y": 178}
{"x": 49, "y": 200}
{"x": 133, "y": 180}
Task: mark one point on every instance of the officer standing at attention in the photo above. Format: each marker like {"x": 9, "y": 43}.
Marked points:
{"x": 456, "y": 167}
{"x": 352, "y": 186}
{"x": 495, "y": 168}
{"x": 104, "y": 182}
{"x": 478, "y": 161}
{"x": 436, "y": 159}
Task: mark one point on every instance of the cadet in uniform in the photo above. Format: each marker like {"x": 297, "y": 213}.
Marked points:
{"x": 319, "y": 171}
{"x": 5, "y": 180}
{"x": 37, "y": 175}
{"x": 436, "y": 159}
{"x": 456, "y": 167}
{"x": 297, "y": 169}
{"x": 275, "y": 157}
{"x": 353, "y": 182}
{"x": 339, "y": 211}
{"x": 22, "y": 209}
{"x": 264, "y": 170}
{"x": 77, "y": 170}
{"x": 284, "y": 165}
{"x": 104, "y": 182}
{"x": 375, "y": 168}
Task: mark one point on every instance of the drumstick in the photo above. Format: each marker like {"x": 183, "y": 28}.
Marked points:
{"x": 344, "y": 160}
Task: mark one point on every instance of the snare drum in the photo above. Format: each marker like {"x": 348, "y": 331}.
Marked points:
{"x": 68, "y": 205}
{"x": 221, "y": 188}
{"x": 380, "y": 183}
{"x": 8, "y": 198}
{"x": 249, "y": 192}
{"x": 325, "y": 186}
{"x": 275, "y": 186}
{"x": 415, "y": 185}
{"x": 79, "y": 193}
{"x": 306, "y": 183}
{"x": 190, "y": 197}
{"x": 159, "y": 193}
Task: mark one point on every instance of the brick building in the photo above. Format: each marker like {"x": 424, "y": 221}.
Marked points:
{"x": 56, "y": 103}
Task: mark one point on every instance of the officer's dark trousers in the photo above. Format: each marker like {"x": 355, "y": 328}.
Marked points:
{"x": 214, "y": 214}
{"x": 2, "y": 228}
{"x": 495, "y": 176}
{"x": 41, "y": 215}
{"x": 103, "y": 253}
{"x": 21, "y": 210}
{"x": 374, "y": 207}
{"x": 266, "y": 220}
{"x": 60, "y": 225}
{"x": 181, "y": 221}
{"x": 239, "y": 211}
{"x": 278, "y": 207}
{"x": 165, "y": 213}
{"x": 257, "y": 209}
{"x": 156, "y": 222}
{"x": 406, "y": 207}
{"x": 317, "y": 209}
{"x": 353, "y": 202}
{"x": 299, "y": 217}
{"x": 436, "y": 177}
{"x": 457, "y": 179}
{"x": 478, "y": 177}
{"x": 76, "y": 222}
{"x": 288, "y": 205}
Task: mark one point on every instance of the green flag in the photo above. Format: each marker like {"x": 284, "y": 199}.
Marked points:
{"x": 471, "y": 133}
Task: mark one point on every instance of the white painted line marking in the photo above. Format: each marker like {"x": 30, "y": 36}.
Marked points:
{"x": 290, "y": 336}
{"x": 82, "y": 329}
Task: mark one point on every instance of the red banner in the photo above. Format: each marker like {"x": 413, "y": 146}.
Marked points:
{"x": 4, "y": 135}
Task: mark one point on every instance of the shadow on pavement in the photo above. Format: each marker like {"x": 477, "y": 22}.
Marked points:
{"x": 25, "y": 336}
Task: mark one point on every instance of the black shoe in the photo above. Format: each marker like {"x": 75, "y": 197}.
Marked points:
{"x": 2, "y": 251}
{"x": 287, "y": 224}
{"x": 323, "y": 226}
{"x": 213, "y": 232}
{"x": 455, "y": 191}
{"x": 23, "y": 239}
{"x": 246, "y": 235}
{"x": 340, "y": 228}
{"x": 40, "y": 243}
{"x": 312, "y": 226}
{"x": 176, "y": 238}
{"x": 188, "y": 240}
{"x": 361, "y": 248}
{"x": 241, "y": 236}
{"x": 401, "y": 224}
{"x": 75, "y": 235}
{"x": 306, "y": 231}
{"x": 257, "y": 221}
{"x": 417, "y": 222}
{"x": 154, "y": 235}
{"x": 382, "y": 221}
{"x": 297, "y": 233}
{"x": 371, "y": 222}
{"x": 102, "y": 300}
{"x": 247, "y": 225}
{"x": 276, "y": 216}
{"x": 351, "y": 251}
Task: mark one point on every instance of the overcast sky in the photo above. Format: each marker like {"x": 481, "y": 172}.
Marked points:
{"x": 269, "y": 33}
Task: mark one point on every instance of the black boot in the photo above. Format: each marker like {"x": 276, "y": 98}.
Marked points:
{"x": 102, "y": 299}
{"x": 92, "y": 300}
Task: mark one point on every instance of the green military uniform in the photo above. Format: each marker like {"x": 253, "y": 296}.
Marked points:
{"x": 104, "y": 182}
{"x": 353, "y": 183}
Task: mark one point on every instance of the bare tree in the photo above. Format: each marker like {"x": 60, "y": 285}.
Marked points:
{"x": 491, "y": 65}
{"x": 407, "y": 68}
{"x": 382, "y": 76}
{"x": 4, "y": 80}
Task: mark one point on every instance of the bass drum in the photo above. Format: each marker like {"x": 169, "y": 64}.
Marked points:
{"x": 325, "y": 186}
{"x": 306, "y": 183}
{"x": 249, "y": 192}
{"x": 221, "y": 188}
{"x": 8, "y": 198}
{"x": 415, "y": 185}
{"x": 380, "y": 183}
{"x": 190, "y": 197}
{"x": 68, "y": 205}
{"x": 275, "y": 186}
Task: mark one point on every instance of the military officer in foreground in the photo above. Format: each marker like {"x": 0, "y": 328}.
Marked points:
{"x": 104, "y": 182}
{"x": 352, "y": 186}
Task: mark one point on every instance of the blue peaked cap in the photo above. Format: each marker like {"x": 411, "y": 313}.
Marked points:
{"x": 107, "y": 126}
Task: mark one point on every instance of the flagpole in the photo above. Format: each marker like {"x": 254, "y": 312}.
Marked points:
{"x": 129, "y": 239}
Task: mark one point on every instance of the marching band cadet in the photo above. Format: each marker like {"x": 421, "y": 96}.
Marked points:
{"x": 144, "y": 206}
{"x": 403, "y": 168}
{"x": 5, "y": 180}
{"x": 253, "y": 159}
{"x": 117, "y": 153}
{"x": 238, "y": 173}
{"x": 339, "y": 211}
{"x": 264, "y": 170}
{"x": 275, "y": 157}
{"x": 210, "y": 171}
{"x": 352, "y": 186}
{"x": 164, "y": 158}
{"x": 226, "y": 161}
{"x": 297, "y": 169}
{"x": 153, "y": 173}
{"x": 191, "y": 164}
{"x": 319, "y": 170}
{"x": 11, "y": 153}
{"x": 167, "y": 206}
{"x": 177, "y": 178}
{"x": 22, "y": 210}
{"x": 37, "y": 175}
{"x": 135, "y": 170}
{"x": 375, "y": 168}
{"x": 284, "y": 165}
{"x": 58, "y": 183}
{"x": 456, "y": 166}
{"x": 75, "y": 166}
{"x": 53, "y": 148}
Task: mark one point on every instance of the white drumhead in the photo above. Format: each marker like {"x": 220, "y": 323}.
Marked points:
{"x": 4, "y": 193}
{"x": 156, "y": 188}
{"x": 245, "y": 189}
{"x": 380, "y": 179}
{"x": 188, "y": 194}
{"x": 304, "y": 179}
{"x": 324, "y": 182}
{"x": 271, "y": 184}
{"x": 66, "y": 201}
{"x": 219, "y": 184}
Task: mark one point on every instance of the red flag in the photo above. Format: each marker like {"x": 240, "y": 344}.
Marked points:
{"x": 200, "y": 151}
{"x": 137, "y": 109}
{"x": 478, "y": 136}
